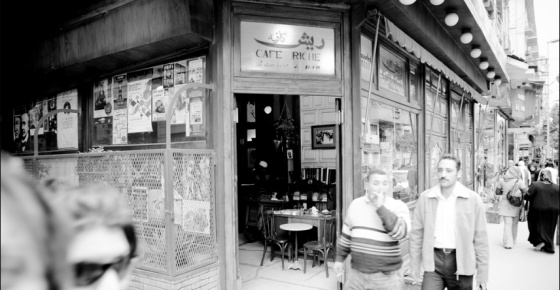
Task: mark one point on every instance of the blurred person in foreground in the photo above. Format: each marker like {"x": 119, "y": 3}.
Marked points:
{"x": 543, "y": 212}
{"x": 33, "y": 235}
{"x": 510, "y": 182}
{"x": 449, "y": 233}
{"x": 371, "y": 232}
{"x": 104, "y": 241}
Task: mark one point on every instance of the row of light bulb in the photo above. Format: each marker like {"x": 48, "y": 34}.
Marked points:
{"x": 451, "y": 19}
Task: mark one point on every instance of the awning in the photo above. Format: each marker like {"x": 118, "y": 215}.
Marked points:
{"x": 398, "y": 36}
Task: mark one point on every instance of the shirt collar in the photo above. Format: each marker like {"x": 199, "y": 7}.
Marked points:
{"x": 459, "y": 191}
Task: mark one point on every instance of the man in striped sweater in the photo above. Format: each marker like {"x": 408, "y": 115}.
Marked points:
{"x": 371, "y": 232}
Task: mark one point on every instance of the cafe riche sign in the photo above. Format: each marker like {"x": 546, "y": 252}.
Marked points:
{"x": 289, "y": 49}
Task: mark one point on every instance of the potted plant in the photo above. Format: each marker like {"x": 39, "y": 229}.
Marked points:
{"x": 286, "y": 133}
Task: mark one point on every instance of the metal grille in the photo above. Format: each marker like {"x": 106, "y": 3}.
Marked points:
{"x": 193, "y": 190}
{"x": 170, "y": 218}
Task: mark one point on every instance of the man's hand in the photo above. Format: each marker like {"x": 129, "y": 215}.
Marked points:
{"x": 398, "y": 231}
{"x": 376, "y": 198}
{"x": 416, "y": 279}
{"x": 480, "y": 285}
{"x": 338, "y": 268}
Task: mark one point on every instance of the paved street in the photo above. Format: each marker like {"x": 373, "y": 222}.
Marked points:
{"x": 520, "y": 268}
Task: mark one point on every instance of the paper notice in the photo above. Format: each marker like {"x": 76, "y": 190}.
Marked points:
{"x": 140, "y": 106}
{"x": 180, "y": 71}
{"x": 196, "y": 70}
{"x": 159, "y": 99}
{"x": 120, "y": 127}
{"x": 103, "y": 102}
{"x": 119, "y": 91}
{"x": 67, "y": 123}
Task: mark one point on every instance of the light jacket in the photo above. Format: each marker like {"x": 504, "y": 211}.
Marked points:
{"x": 471, "y": 236}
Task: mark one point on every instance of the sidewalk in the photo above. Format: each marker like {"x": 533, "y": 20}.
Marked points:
{"x": 520, "y": 268}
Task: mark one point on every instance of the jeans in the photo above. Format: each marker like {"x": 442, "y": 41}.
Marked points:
{"x": 445, "y": 274}
{"x": 510, "y": 230}
{"x": 392, "y": 280}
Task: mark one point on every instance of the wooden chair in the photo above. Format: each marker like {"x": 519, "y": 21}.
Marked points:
{"x": 271, "y": 238}
{"x": 324, "y": 246}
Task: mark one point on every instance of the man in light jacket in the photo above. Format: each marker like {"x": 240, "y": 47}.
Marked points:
{"x": 449, "y": 235}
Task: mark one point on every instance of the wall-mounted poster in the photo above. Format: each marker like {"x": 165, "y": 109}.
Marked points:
{"x": 287, "y": 49}
{"x": 180, "y": 109}
{"x": 168, "y": 75}
{"x": 21, "y": 128}
{"x": 391, "y": 72}
{"x": 52, "y": 127}
{"x": 366, "y": 56}
{"x": 103, "y": 131}
{"x": 119, "y": 91}
{"x": 196, "y": 216}
{"x": 140, "y": 101}
{"x": 196, "y": 70}
{"x": 67, "y": 131}
{"x": 180, "y": 70}
{"x": 35, "y": 114}
{"x": 120, "y": 127}
{"x": 103, "y": 103}
{"x": 159, "y": 99}
{"x": 195, "y": 126}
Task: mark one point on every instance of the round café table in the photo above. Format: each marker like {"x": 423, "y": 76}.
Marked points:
{"x": 296, "y": 227}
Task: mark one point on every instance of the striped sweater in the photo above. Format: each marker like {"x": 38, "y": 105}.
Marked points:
{"x": 365, "y": 235}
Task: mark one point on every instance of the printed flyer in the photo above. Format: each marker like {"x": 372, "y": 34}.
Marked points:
{"x": 180, "y": 71}
{"x": 103, "y": 103}
{"x": 67, "y": 130}
{"x": 196, "y": 69}
{"x": 120, "y": 127}
{"x": 159, "y": 99}
{"x": 140, "y": 101}
{"x": 168, "y": 75}
{"x": 119, "y": 91}
{"x": 180, "y": 110}
{"x": 21, "y": 128}
{"x": 102, "y": 131}
{"x": 196, "y": 112}
{"x": 35, "y": 114}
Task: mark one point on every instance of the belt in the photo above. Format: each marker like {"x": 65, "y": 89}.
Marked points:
{"x": 445, "y": 250}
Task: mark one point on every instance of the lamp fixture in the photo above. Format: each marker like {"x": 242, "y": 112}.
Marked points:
{"x": 491, "y": 74}
{"x": 407, "y": 2}
{"x": 466, "y": 37}
{"x": 483, "y": 63}
{"x": 436, "y": 2}
{"x": 476, "y": 52}
{"x": 267, "y": 109}
{"x": 497, "y": 81}
{"x": 451, "y": 18}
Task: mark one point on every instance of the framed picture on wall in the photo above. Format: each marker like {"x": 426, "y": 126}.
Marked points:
{"x": 251, "y": 157}
{"x": 322, "y": 137}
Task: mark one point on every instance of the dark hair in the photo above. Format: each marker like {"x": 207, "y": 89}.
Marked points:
{"x": 549, "y": 164}
{"x": 375, "y": 171}
{"x": 451, "y": 157}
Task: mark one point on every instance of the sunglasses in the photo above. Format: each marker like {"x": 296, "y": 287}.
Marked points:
{"x": 86, "y": 273}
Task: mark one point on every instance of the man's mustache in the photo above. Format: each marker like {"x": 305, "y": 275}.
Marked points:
{"x": 444, "y": 179}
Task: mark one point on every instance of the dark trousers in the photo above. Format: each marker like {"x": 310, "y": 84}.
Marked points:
{"x": 445, "y": 274}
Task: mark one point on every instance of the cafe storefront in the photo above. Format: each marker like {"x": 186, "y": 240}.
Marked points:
{"x": 320, "y": 91}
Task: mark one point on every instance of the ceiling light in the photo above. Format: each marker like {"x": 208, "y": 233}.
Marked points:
{"x": 498, "y": 81}
{"x": 491, "y": 74}
{"x": 267, "y": 109}
{"x": 466, "y": 37}
{"x": 407, "y": 2}
{"x": 436, "y": 2}
{"x": 476, "y": 52}
{"x": 451, "y": 19}
{"x": 483, "y": 63}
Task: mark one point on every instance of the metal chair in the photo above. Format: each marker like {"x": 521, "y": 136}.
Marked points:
{"x": 324, "y": 246}
{"x": 270, "y": 237}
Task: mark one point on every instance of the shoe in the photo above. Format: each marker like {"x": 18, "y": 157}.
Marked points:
{"x": 539, "y": 247}
{"x": 508, "y": 248}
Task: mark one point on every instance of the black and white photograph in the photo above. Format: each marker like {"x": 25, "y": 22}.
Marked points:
{"x": 322, "y": 137}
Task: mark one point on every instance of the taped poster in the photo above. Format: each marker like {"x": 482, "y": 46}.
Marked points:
{"x": 196, "y": 69}
{"x": 119, "y": 91}
{"x": 103, "y": 102}
{"x": 67, "y": 131}
{"x": 159, "y": 100}
{"x": 120, "y": 127}
{"x": 180, "y": 70}
{"x": 168, "y": 75}
{"x": 140, "y": 101}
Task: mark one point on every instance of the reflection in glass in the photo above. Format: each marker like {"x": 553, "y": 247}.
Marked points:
{"x": 390, "y": 145}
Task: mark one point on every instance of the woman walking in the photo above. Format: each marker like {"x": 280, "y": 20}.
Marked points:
{"x": 512, "y": 180}
{"x": 543, "y": 212}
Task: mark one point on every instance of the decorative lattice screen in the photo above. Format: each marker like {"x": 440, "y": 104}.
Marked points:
{"x": 170, "y": 194}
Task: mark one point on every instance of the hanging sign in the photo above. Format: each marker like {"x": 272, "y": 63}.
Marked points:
{"x": 366, "y": 57}
{"x": 289, "y": 49}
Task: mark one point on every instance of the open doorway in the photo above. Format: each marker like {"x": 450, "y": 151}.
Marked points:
{"x": 286, "y": 168}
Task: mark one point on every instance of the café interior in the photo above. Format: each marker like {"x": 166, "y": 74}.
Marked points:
{"x": 287, "y": 199}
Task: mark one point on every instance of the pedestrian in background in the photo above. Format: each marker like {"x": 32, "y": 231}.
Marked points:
{"x": 543, "y": 212}
{"x": 533, "y": 169}
{"x": 371, "y": 232}
{"x": 525, "y": 174}
{"x": 512, "y": 180}
{"x": 449, "y": 233}
{"x": 34, "y": 236}
{"x": 104, "y": 241}
{"x": 553, "y": 172}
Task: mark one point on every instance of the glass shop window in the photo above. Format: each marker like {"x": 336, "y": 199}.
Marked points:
{"x": 390, "y": 144}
